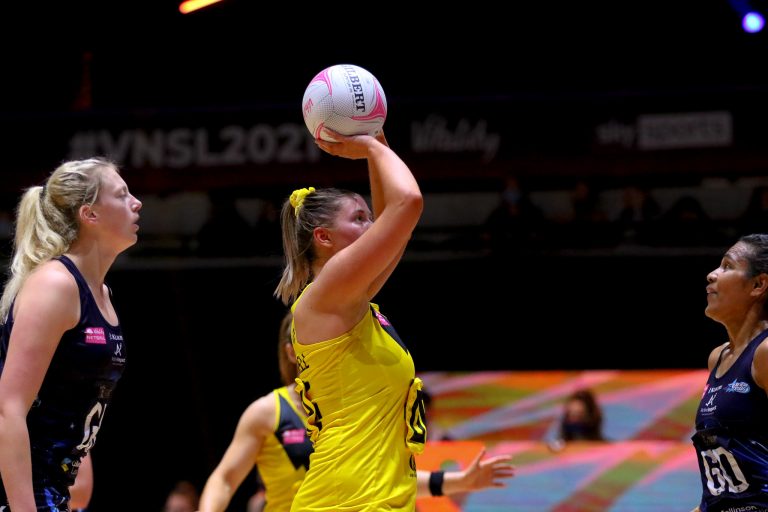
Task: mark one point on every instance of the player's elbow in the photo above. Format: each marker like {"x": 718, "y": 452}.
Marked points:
{"x": 413, "y": 204}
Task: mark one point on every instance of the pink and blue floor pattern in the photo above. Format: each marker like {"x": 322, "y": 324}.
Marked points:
{"x": 647, "y": 464}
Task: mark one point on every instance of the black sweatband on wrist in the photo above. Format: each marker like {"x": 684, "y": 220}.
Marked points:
{"x": 436, "y": 483}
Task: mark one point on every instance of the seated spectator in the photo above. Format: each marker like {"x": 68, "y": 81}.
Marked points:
{"x": 638, "y": 215}
{"x": 687, "y": 224}
{"x": 182, "y": 498}
{"x": 515, "y": 222}
{"x": 582, "y": 418}
{"x": 589, "y": 225}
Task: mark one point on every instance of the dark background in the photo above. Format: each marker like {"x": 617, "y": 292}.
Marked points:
{"x": 202, "y": 337}
{"x": 146, "y": 54}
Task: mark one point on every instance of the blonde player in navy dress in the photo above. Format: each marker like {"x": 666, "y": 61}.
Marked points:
{"x": 272, "y": 435}
{"x": 731, "y": 438}
{"x": 61, "y": 347}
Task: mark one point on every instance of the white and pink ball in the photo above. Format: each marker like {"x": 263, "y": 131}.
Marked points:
{"x": 345, "y": 98}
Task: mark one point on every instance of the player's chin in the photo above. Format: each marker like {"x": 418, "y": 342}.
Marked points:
{"x": 132, "y": 238}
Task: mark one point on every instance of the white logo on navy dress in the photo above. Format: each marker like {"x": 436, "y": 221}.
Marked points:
{"x": 737, "y": 387}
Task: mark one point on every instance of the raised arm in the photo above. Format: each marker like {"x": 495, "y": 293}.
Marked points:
{"x": 240, "y": 456}
{"x": 373, "y": 175}
{"x": 353, "y": 274}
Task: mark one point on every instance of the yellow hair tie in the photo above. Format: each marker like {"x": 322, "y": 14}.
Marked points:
{"x": 297, "y": 198}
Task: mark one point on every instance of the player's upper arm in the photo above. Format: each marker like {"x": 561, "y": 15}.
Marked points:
{"x": 254, "y": 425}
{"x": 46, "y": 307}
{"x": 760, "y": 365}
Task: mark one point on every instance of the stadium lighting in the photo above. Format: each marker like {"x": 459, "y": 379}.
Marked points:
{"x": 189, "y": 6}
{"x": 753, "y": 22}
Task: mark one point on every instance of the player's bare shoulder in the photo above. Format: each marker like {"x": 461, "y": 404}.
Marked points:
{"x": 760, "y": 365}
{"x": 260, "y": 416}
{"x": 715, "y": 355}
{"x": 54, "y": 275}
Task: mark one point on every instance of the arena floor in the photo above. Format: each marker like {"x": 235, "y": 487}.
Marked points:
{"x": 647, "y": 464}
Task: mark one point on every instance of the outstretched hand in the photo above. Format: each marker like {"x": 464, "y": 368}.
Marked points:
{"x": 481, "y": 474}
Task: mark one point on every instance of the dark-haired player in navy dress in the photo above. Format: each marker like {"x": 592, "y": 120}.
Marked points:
{"x": 61, "y": 347}
{"x": 731, "y": 438}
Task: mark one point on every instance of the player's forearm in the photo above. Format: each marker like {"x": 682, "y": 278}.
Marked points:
{"x": 422, "y": 483}
{"x": 392, "y": 182}
{"x": 216, "y": 496}
{"x": 452, "y": 483}
{"x": 16, "y": 463}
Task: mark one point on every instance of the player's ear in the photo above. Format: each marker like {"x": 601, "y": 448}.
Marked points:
{"x": 322, "y": 236}
{"x": 290, "y": 352}
{"x": 760, "y": 284}
{"x": 87, "y": 214}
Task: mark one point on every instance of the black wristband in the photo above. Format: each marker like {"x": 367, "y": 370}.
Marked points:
{"x": 436, "y": 483}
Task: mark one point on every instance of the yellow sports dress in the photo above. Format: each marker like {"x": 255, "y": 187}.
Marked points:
{"x": 284, "y": 456}
{"x": 365, "y": 419}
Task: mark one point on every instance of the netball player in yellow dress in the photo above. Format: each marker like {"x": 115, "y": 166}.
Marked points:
{"x": 356, "y": 377}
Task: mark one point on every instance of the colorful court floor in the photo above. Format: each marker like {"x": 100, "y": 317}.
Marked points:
{"x": 647, "y": 464}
